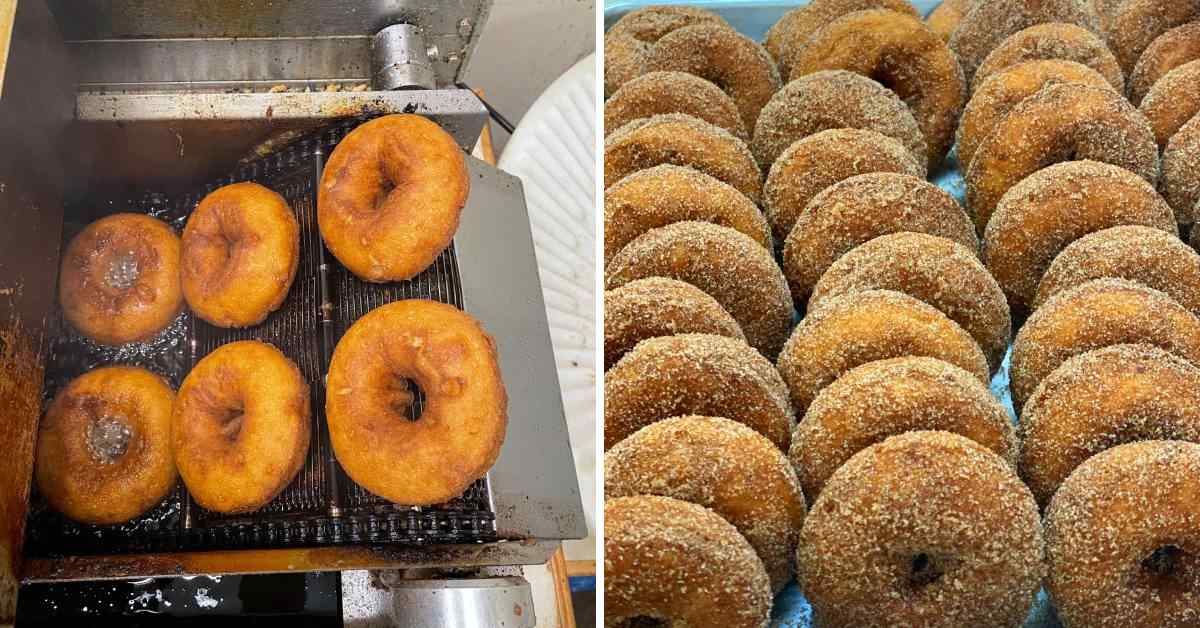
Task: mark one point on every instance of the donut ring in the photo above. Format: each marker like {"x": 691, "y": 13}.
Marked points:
{"x": 1138, "y": 23}
{"x": 665, "y": 194}
{"x": 1097, "y": 314}
{"x": 1173, "y": 101}
{"x": 1064, "y": 122}
{"x": 657, "y": 306}
{"x": 732, "y": 268}
{"x": 989, "y": 23}
{"x": 104, "y": 446}
{"x": 861, "y": 209}
{"x": 1180, "y": 183}
{"x": 240, "y": 426}
{"x": 880, "y": 399}
{"x": 722, "y": 465}
{"x": 862, "y": 327}
{"x": 1106, "y": 10}
{"x": 458, "y": 434}
{"x": 818, "y": 161}
{"x": 681, "y": 140}
{"x": 1100, "y": 399}
{"x": 1110, "y": 563}
{"x": 652, "y": 544}
{"x": 1055, "y": 206}
{"x": 787, "y": 36}
{"x": 656, "y": 93}
{"x": 1172, "y": 49}
{"x": 631, "y": 37}
{"x": 833, "y": 100}
{"x": 1151, "y": 257}
{"x": 938, "y": 271}
{"x": 241, "y": 248}
{"x": 902, "y": 54}
{"x": 119, "y": 280}
{"x": 923, "y": 529}
{"x": 945, "y": 18}
{"x": 1065, "y": 42}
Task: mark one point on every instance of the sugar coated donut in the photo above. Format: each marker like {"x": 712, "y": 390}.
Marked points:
{"x": 1180, "y": 183}
{"x": 119, "y": 280}
{"x": 657, "y": 306}
{"x": 630, "y": 38}
{"x": 655, "y": 93}
{"x": 1106, "y": 10}
{"x": 1171, "y": 50}
{"x": 945, "y": 17}
{"x": 888, "y": 397}
{"x": 104, "y": 445}
{"x": 434, "y": 456}
{"x": 1066, "y": 42}
{"x": 240, "y": 427}
{"x": 787, "y": 36}
{"x": 722, "y": 465}
{"x": 390, "y": 197}
{"x": 667, "y": 560}
{"x": 1173, "y": 101}
{"x": 989, "y": 23}
{"x": 1138, "y": 23}
{"x": 695, "y": 374}
{"x": 862, "y": 327}
{"x": 729, "y": 266}
{"x": 923, "y": 529}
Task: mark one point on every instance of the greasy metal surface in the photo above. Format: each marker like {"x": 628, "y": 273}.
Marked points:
{"x": 505, "y": 602}
{"x": 400, "y": 58}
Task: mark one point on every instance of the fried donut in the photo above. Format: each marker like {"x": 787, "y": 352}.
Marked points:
{"x": 665, "y": 194}
{"x": 722, "y": 465}
{"x": 657, "y": 306}
{"x": 1097, "y": 314}
{"x": 818, "y": 161}
{"x": 833, "y": 100}
{"x": 240, "y": 427}
{"x": 119, "y": 280}
{"x": 630, "y": 38}
{"x": 734, "y": 62}
{"x": 430, "y": 458}
{"x": 1066, "y": 42}
{"x": 1173, "y": 101}
{"x": 104, "y": 446}
{"x": 1055, "y": 206}
{"x": 656, "y": 93}
{"x": 1171, "y": 50}
{"x": 862, "y": 327}
{"x": 938, "y": 271}
{"x": 863, "y": 208}
{"x": 1063, "y": 122}
{"x": 1121, "y": 540}
{"x": 945, "y": 17}
{"x": 729, "y": 266}
{"x": 1180, "y": 183}
{"x": 668, "y": 560}
{"x": 902, "y": 54}
{"x": 681, "y": 140}
{"x": 698, "y": 374}
{"x": 997, "y": 95}
{"x": 241, "y": 248}
{"x": 1138, "y": 23}
{"x": 1100, "y": 399}
{"x": 888, "y": 397}
{"x": 1151, "y": 257}
{"x": 989, "y": 23}
{"x": 923, "y": 529}
{"x": 787, "y": 36}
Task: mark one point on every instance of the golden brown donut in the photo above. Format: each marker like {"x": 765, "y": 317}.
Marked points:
{"x": 880, "y": 399}
{"x": 820, "y": 160}
{"x": 1097, "y": 314}
{"x": 664, "y": 194}
{"x": 1101, "y": 399}
{"x": 657, "y": 306}
{"x": 787, "y": 36}
{"x": 678, "y": 562}
{"x": 729, "y": 266}
{"x": 1171, "y": 50}
{"x": 1138, "y": 23}
{"x": 722, "y": 465}
{"x": 860, "y": 209}
{"x": 938, "y": 271}
{"x": 832, "y": 100}
{"x": 681, "y": 140}
{"x": 630, "y": 38}
{"x": 990, "y": 22}
{"x": 390, "y": 197}
{"x": 1066, "y": 42}
{"x": 1173, "y": 101}
{"x": 1063, "y": 122}
{"x": 119, "y": 280}
{"x": 104, "y": 445}
{"x": 924, "y": 529}
{"x": 1145, "y": 255}
{"x": 241, "y": 248}
{"x": 240, "y": 427}
{"x": 655, "y": 93}
{"x": 698, "y": 374}
{"x": 1121, "y": 538}
{"x": 945, "y": 17}
{"x": 996, "y": 95}
{"x": 1180, "y": 183}
{"x": 458, "y": 434}
{"x": 1106, "y": 10}
{"x": 862, "y": 327}
{"x": 1055, "y": 206}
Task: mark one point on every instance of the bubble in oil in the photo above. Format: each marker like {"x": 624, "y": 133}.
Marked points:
{"x": 122, "y": 271}
{"x": 108, "y": 439}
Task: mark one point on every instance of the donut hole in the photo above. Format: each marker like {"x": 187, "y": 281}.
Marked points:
{"x": 107, "y": 438}
{"x": 229, "y": 421}
{"x": 122, "y": 270}
{"x": 924, "y": 570}
{"x": 386, "y": 186}
{"x": 1170, "y": 570}
{"x": 405, "y": 397}
{"x": 645, "y": 621}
